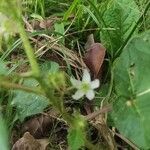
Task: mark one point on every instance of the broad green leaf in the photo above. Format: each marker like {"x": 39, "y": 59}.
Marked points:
{"x": 132, "y": 85}
{"x": 4, "y": 143}
{"x": 76, "y": 133}
{"x": 118, "y": 20}
{"x": 28, "y": 104}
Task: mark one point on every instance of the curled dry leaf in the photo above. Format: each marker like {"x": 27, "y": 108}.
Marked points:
{"x": 94, "y": 56}
{"x": 28, "y": 142}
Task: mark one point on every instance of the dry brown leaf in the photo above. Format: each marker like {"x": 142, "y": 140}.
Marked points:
{"x": 28, "y": 142}
{"x": 95, "y": 56}
{"x": 39, "y": 126}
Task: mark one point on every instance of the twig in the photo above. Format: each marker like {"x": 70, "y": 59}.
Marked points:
{"x": 127, "y": 141}
{"x": 96, "y": 113}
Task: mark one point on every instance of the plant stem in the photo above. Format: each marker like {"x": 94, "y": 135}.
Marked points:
{"x": 7, "y": 85}
{"x": 28, "y": 50}
{"x": 96, "y": 113}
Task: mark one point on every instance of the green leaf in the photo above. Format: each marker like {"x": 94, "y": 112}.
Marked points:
{"x": 118, "y": 20}
{"x": 4, "y": 143}
{"x": 60, "y": 30}
{"x": 28, "y": 104}
{"x": 36, "y": 16}
{"x": 3, "y": 68}
{"x": 50, "y": 67}
{"x": 132, "y": 86}
{"x": 76, "y": 134}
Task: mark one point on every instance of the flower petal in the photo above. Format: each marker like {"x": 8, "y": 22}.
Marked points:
{"x": 95, "y": 84}
{"x": 86, "y": 76}
{"x": 78, "y": 95}
{"x": 75, "y": 83}
{"x": 90, "y": 94}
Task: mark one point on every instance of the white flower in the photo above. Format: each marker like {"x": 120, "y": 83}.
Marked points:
{"x": 85, "y": 87}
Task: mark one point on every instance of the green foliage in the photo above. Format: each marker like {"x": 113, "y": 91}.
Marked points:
{"x": 54, "y": 77}
{"x": 36, "y": 17}
{"x": 59, "y": 29}
{"x": 28, "y": 104}
{"x": 132, "y": 85}
{"x": 50, "y": 67}
{"x": 147, "y": 21}
{"x": 76, "y": 135}
{"x": 3, "y": 68}
{"x": 3, "y": 135}
{"x": 75, "y": 138}
{"x": 119, "y": 17}
{"x": 116, "y": 20}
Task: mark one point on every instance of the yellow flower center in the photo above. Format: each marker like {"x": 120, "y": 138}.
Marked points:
{"x": 85, "y": 87}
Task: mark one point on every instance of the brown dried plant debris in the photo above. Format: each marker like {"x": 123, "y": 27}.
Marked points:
{"x": 28, "y": 142}
{"x": 47, "y": 125}
{"x": 50, "y": 45}
{"x": 35, "y": 24}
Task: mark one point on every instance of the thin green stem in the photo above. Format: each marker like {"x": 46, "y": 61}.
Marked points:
{"x": 29, "y": 50}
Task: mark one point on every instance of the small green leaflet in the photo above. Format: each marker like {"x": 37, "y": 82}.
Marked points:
{"x": 132, "y": 85}
{"x": 60, "y": 30}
